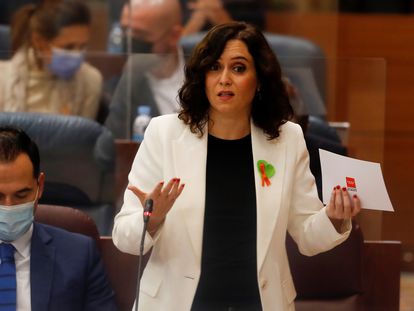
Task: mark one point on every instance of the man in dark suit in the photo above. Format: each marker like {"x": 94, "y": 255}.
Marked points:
{"x": 47, "y": 268}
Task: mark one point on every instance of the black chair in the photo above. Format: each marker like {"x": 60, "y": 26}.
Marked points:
{"x": 78, "y": 158}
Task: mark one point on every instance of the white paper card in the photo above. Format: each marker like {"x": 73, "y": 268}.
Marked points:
{"x": 363, "y": 178}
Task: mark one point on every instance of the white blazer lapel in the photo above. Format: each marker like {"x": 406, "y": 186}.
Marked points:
{"x": 268, "y": 198}
{"x": 190, "y": 160}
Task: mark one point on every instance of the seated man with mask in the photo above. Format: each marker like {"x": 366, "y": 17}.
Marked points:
{"x": 154, "y": 72}
{"x": 41, "y": 267}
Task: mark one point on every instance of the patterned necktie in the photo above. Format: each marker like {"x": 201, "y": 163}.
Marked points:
{"x": 7, "y": 278}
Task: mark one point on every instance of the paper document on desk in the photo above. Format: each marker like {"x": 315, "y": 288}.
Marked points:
{"x": 362, "y": 178}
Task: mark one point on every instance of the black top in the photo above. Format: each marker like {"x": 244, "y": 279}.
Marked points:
{"x": 228, "y": 267}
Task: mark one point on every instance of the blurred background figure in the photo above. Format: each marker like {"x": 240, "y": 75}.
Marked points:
{"x": 47, "y": 72}
{"x": 154, "y": 71}
{"x": 200, "y": 15}
{"x": 204, "y": 13}
{"x": 197, "y": 15}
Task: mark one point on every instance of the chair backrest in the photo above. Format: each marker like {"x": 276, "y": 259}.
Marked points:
{"x": 73, "y": 150}
{"x": 67, "y": 218}
{"x": 78, "y": 158}
{"x": 334, "y": 274}
{"x": 4, "y": 41}
{"x": 302, "y": 61}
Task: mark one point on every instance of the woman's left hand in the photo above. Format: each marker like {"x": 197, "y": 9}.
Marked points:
{"x": 342, "y": 207}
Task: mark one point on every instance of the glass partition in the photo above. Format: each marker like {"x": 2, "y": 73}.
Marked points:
{"x": 360, "y": 98}
{"x": 347, "y": 95}
{"x": 144, "y": 80}
{"x": 314, "y": 22}
{"x": 354, "y": 99}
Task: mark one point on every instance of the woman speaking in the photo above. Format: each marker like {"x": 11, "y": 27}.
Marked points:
{"x": 219, "y": 244}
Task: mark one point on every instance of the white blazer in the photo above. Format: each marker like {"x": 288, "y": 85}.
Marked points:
{"x": 290, "y": 203}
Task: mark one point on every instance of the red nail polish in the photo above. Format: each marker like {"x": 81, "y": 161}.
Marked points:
{"x": 343, "y": 188}
{"x": 177, "y": 180}
{"x": 355, "y": 196}
{"x": 338, "y": 187}
{"x": 161, "y": 182}
{"x": 334, "y": 188}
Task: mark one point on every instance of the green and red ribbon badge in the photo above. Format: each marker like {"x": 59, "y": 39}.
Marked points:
{"x": 266, "y": 171}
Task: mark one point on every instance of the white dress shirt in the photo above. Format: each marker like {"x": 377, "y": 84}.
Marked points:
{"x": 166, "y": 90}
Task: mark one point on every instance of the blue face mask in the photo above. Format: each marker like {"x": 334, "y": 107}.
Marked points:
{"x": 15, "y": 220}
{"x": 65, "y": 64}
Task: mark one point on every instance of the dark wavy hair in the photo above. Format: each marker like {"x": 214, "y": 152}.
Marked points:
{"x": 13, "y": 142}
{"x": 270, "y": 108}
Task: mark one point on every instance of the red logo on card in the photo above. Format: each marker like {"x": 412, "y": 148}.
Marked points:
{"x": 350, "y": 183}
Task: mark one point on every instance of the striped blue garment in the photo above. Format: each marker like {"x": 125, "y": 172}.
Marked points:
{"x": 7, "y": 278}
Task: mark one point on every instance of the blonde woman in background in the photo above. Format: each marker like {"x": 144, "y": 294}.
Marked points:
{"x": 47, "y": 72}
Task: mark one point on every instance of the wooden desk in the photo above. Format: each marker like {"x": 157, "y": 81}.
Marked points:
{"x": 381, "y": 274}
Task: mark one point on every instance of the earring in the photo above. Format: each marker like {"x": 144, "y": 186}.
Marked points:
{"x": 259, "y": 94}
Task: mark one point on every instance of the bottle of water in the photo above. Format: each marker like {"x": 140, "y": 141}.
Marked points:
{"x": 116, "y": 39}
{"x": 141, "y": 122}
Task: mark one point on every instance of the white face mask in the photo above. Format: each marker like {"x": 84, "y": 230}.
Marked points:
{"x": 15, "y": 220}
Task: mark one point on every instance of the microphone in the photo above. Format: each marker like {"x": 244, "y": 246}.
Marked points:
{"x": 148, "y": 210}
{"x": 148, "y": 204}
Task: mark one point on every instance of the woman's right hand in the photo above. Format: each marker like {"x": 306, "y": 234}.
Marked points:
{"x": 163, "y": 198}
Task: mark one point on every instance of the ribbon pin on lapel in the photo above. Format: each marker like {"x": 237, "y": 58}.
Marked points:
{"x": 266, "y": 171}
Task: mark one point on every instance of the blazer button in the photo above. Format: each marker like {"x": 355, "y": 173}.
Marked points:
{"x": 263, "y": 284}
